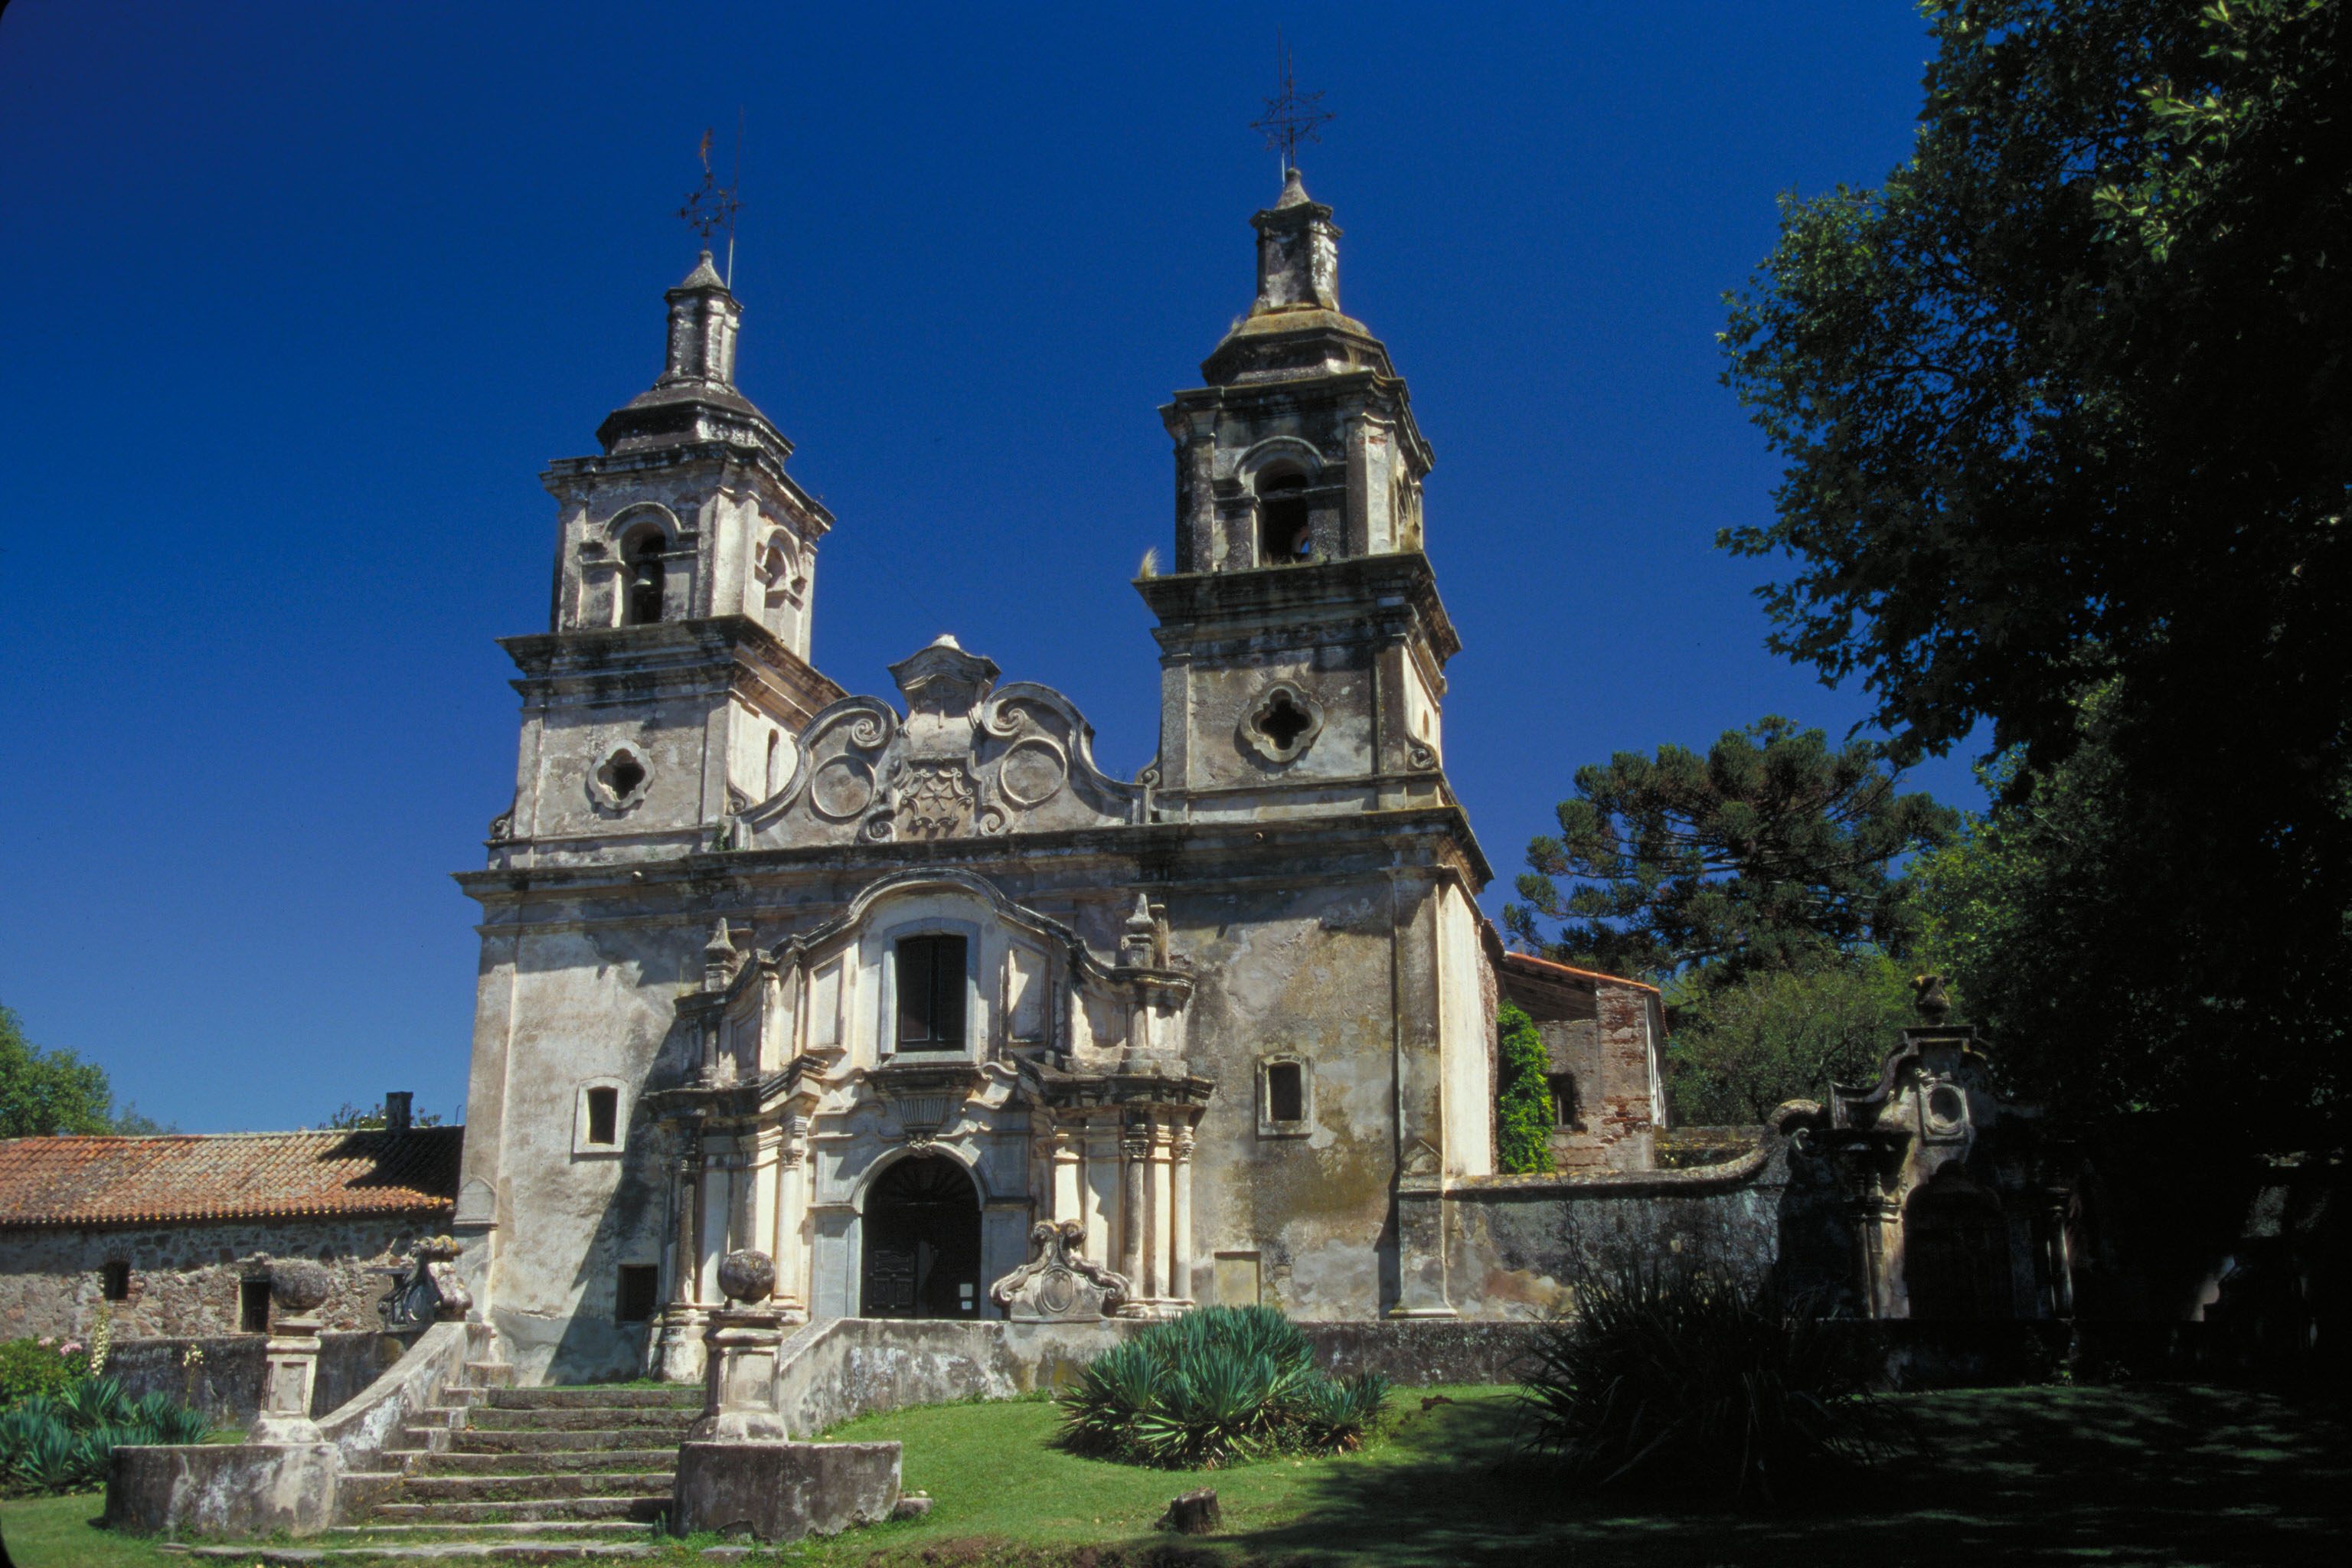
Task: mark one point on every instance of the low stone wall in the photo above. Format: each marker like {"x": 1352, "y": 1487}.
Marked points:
{"x": 238, "y": 1490}
{"x": 783, "y": 1491}
{"x": 844, "y": 1367}
{"x": 224, "y": 1379}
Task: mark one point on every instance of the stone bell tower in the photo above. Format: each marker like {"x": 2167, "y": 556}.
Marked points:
{"x": 661, "y": 700}
{"x": 1302, "y": 642}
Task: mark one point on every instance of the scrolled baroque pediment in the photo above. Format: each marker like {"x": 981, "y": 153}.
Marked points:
{"x": 967, "y": 759}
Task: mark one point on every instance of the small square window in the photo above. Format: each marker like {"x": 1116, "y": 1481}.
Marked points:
{"x": 603, "y": 1113}
{"x": 253, "y": 1306}
{"x": 115, "y": 1278}
{"x": 638, "y": 1294}
{"x": 1563, "y": 1098}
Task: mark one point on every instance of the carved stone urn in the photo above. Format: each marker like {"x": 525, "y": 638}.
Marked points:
{"x": 739, "y": 1357}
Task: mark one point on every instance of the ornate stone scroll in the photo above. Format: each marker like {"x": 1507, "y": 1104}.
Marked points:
{"x": 1056, "y": 1285}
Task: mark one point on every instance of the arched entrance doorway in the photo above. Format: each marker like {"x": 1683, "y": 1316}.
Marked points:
{"x": 1955, "y": 1251}
{"x": 922, "y": 1242}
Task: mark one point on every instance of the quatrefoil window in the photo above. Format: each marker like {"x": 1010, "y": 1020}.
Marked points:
{"x": 1283, "y": 723}
{"x": 619, "y": 783}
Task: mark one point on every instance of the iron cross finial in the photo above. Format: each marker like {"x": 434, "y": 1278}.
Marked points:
{"x": 1291, "y": 116}
{"x": 712, "y": 206}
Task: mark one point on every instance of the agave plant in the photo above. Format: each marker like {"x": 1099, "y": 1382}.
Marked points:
{"x": 1669, "y": 1377}
{"x": 1217, "y": 1385}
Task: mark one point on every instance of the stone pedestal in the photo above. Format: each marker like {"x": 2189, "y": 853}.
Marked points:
{"x": 240, "y": 1492}
{"x": 783, "y": 1491}
{"x": 740, "y": 1379}
{"x": 293, "y": 1371}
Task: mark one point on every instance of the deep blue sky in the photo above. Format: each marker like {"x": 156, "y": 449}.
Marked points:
{"x": 300, "y": 298}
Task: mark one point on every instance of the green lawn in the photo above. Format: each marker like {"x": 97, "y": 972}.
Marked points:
{"x": 2154, "y": 1474}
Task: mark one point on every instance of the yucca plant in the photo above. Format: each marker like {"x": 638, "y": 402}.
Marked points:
{"x": 1217, "y": 1385}
{"x": 68, "y": 1442}
{"x": 1668, "y": 1375}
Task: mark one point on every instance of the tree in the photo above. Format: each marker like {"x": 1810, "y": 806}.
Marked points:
{"x": 1739, "y": 1050}
{"x": 2064, "y": 405}
{"x": 1524, "y": 1114}
{"x": 1766, "y": 854}
{"x": 45, "y": 1092}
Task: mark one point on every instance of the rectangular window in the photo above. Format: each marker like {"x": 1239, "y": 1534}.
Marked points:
{"x": 1563, "y": 1098}
{"x": 116, "y": 1278}
{"x": 638, "y": 1294}
{"x": 930, "y": 993}
{"x": 1286, "y": 1096}
{"x": 604, "y": 1112}
{"x": 253, "y": 1306}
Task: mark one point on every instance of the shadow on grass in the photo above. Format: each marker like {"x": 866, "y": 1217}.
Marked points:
{"x": 2152, "y": 1474}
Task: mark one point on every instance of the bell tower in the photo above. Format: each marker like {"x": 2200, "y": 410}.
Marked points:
{"x": 660, "y": 702}
{"x": 1302, "y": 642}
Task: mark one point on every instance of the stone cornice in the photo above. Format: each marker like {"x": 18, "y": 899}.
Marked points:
{"x": 1147, "y": 851}
{"x": 711, "y": 653}
{"x": 1194, "y": 606}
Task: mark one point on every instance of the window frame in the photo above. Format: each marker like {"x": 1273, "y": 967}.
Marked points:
{"x": 626, "y": 1274}
{"x": 583, "y": 1121}
{"x": 887, "y": 1045}
{"x": 1268, "y": 1125}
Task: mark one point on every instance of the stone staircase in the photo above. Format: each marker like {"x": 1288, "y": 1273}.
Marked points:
{"x": 493, "y": 1463}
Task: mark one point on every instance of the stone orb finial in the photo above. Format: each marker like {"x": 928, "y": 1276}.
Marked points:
{"x": 747, "y": 1277}
{"x": 1930, "y": 999}
{"x": 299, "y": 1284}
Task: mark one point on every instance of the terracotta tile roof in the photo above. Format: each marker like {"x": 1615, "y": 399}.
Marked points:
{"x": 229, "y": 1175}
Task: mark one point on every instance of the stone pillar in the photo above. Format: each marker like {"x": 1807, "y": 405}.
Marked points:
{"x": 1069, "y": 1161}
{"x": 739, "y": 1357}
{"x": 688, "y": 1188}
{"x": 791, "y": 1222}
{"x": 296, "y": 1289}
{"x": 1100, "y": 1176}
{"x": 1137, "y": 1147}
{"x": 674, "y": 1354}
{"x": 1154, "y": 1283}
{"x": 1181, "y": 1218}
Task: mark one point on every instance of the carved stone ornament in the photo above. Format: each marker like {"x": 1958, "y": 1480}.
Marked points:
{"x": 1056, "y": 1285}
{"x": 618, "y": 783}
{"x": 936, "y": 800}
{"x": 1282, "y": 723}
{"x": 298, "y": 1286}
{"x": 430, "y": 1293}
{"x": 748, "y": 1277}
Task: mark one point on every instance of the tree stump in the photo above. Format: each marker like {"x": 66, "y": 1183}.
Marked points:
{"x": 1194, "y": 1513}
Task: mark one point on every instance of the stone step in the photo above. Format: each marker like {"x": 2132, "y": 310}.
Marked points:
{"x": 437, "y": 1514}
{"x": 595, "y": 1418}
{"x": 490, "y": 1374}
{"x": 577, "y": 1439}
{"x": 589, "y": 1529}
{"x": 549, "y": 1461}
{"x": 672, "y": 1397}
{"x": 540, "y": 1488}
{"x": 517, "y": 1552}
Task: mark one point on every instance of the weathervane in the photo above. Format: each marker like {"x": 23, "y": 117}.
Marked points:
{"x": 1291, "y": 116}
{"x": 712, "y": 206}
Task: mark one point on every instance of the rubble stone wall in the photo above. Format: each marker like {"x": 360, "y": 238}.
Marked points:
{"x": 185, "y": 1279}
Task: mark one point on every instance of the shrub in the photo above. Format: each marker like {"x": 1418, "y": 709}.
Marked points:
{"x": 42, "y": 1366}
{"x": 1671, "y": 1377}
{"x": 1523, "y": 1107}
{"x": 1216, "y": 1386}
{"x": 67, "y": 1442}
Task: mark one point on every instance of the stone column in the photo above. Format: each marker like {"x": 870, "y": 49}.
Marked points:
{"x": 791, "y": 1222}
{"x": 1154, "y": 1284}
{"x": 1100, "y": 1176}
{"x": 296, "y": 1289}
{"x": 1180, "y": 1218}
{"x": 1069, "y": 1161}
{"x": 688, "y": 1188}
{"x": 1137, "y": 1147}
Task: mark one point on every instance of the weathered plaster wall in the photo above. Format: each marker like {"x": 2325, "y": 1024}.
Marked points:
{"x": 185, "y": 1278}
{"x": 585, "y": 998}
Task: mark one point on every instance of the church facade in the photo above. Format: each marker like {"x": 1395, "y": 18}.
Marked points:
{"x": 876, "y": 985}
